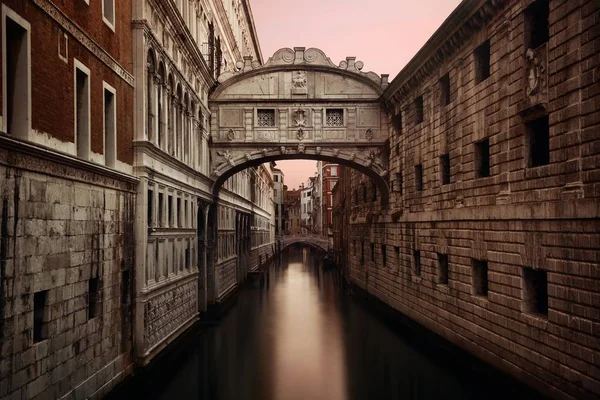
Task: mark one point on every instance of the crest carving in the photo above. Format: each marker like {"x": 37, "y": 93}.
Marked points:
{"x": 230, "y": 135}
{"x": 299, "y": 80}
{"x": 300, "y": 134}
{"x": 369, "y": 134}
{"x": 300, "y": 117}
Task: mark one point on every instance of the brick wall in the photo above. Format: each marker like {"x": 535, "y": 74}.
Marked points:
{"x": 537, "y": 227}
{"x": 63, "y": 226}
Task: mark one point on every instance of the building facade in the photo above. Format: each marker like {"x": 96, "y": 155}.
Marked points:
{"x": 293, "y": 210}
{"x": 329, "y": 173}
{"x": 491, "y": 236}
{"x": 306, "y": 204}
{"x": 68, "y": 198}
{"x": 278, "y": 197}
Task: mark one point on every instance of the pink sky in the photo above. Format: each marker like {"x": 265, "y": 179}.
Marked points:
{"x": 383, "y": 34}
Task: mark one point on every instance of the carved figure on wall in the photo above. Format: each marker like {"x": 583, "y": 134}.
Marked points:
{"x": 300, "y": 134}
{"x": 300, "y": 117}
{"x": 282, "y": 149}
{"x": 227, "y": 156}
{"x": 369, "y": 134}
{"x": 318, "y": 150}
{"x": 299, "y": 80}
{"x": 535, "y": 72}
{"x": 301, "y": 148}
{"x": 373, "y": 158}
{"x": 230, "y": 135}
{"x": 336, "y": 152}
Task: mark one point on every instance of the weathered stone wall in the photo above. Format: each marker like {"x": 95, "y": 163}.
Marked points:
{"x": 64, "y": 223}
{"x": 524, "y": 220}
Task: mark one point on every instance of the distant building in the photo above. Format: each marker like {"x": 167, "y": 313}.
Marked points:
{"x": 329, "y": 175}
{"x": 292, "y": 206}
{"x": 278, "y": 199}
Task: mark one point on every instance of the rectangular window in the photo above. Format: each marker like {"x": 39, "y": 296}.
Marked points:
{"x": 110, "y": 120}
{"x": 383, "y": 255}
{"x": 535, "y": 291}
{"x": 170, "y": 210}
{"x": 40, "y": 316}
{"x": 445, "y": 90}
{"x": 334, "y": 117}
{"x": 419, "y": 177}
{"x": 372, "y": 251}
{"x": 419, "y": 110}
{"x": 108, "y": 13}
{"x": 482, "y": 158}
{"x": 482, "y": 62}
{"x": 16, "y": 70}
{"x": 160, "y": 209}
{"x": 398, "y": 148}
{"x": 397, "y": 251}
{"x": 82, "y": 111}
{"x": 538, "y": 141}
{"x": 186, "y": 222}
{"x": 150, "y": 207}
{"x": 536, "y": 24}
{"x": 334, "y": 171}
{"x": 417, "y": 262}
{"x": 178, "y": 213}
{"x": 276, "y": 178}
{"x": 125, "y": 287}
{"x": 93, "y": 298}
{"x": 362, "y": 253}
{"x": 397, "y": 122}
{"x": 480, "y": 277}
{"x": 442, "y": 269}
{"x": 265, "y": 118}
{"x": 445, "y": 169}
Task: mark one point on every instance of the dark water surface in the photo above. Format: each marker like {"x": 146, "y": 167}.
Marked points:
{"x": 303, "y": 337}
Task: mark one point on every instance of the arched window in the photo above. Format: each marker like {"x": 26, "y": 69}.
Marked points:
{"x": 149, "y": 96}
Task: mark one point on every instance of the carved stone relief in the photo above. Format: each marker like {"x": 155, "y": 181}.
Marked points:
{"x": 536, "y": 72}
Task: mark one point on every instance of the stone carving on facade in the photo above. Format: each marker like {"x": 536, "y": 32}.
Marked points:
{"x": 264, "y": 152}
{"x": 299, "y": 80}
{"x": 536, "y": 72}
{"x": 300, "y": 118}
{"x": 301, "y": 149}
{"x": 352, "y": 156}
{"x": 369, "y": 134}
{"x": 336, "y": 152}
{"x": 247, "y": 156}
{"x": 227, "y": 156}
{"x": 318, "y": 150}
{"x": 282, "y": 149}
{"x": 374, "y": 160}
{"x": 300, "y": 134}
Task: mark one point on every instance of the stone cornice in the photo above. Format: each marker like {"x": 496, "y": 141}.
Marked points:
{"x": 465, "y": 20}
{"x": 252, "y": 27}
{"x": 44, "y": 153}
{"x": 79, "y": 34}
{"x": 237, "y": 53}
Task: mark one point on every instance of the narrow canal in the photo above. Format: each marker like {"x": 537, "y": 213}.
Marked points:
{"x": 303, "y": 336}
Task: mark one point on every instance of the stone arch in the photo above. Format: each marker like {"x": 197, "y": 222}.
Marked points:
{"x": 232, "y": 163}
{"x": 300, "y": 105}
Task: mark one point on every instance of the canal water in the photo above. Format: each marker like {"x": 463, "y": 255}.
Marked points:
{"x": 302, "y": 336}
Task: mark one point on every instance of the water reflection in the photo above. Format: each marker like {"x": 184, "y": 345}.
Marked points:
{"x": 302, "y": 337}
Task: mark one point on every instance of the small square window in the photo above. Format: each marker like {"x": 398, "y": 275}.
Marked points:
{"x": 535, "y": 291}
{"x": 265, "y": 118}
{"x": 480, "y": 277}
{"x": 482, "y": 158}
{"x": 445, "y": 169}
{"x": 419, "y": 177}
{"x": 397, "y": 251}
{"x": 442, "y": 269}
{"x": 445, "y": 90}
{"x": 538, "y": 138}
{"x": 482, "y": 62}
{"x": 419, "y": 110}
{"x": 398, "y": 182}
{"x": 40, "y": 316}
{"x": 397, "y": 122}
{"x": 334, "y": 117}
{"x": 417, "y": 262}
{"x": 93, "y": 298}
{"x": 383, "y": 255}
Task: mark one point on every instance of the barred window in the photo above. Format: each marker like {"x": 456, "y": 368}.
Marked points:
{"x": 334, "y": 117}
{"x": 266, "y": 118}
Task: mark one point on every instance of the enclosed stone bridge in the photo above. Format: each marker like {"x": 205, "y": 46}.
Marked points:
{"x": 317, "y": 241}
{"x": 299, "y": 105}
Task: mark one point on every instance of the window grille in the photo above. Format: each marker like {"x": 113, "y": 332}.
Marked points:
{"x": 266, "y": 118}
{"x": 334, "y": 117}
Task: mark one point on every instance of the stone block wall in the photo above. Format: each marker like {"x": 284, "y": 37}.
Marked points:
{"x": 66, "y": 281}
{"x": 503, "y": 261}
